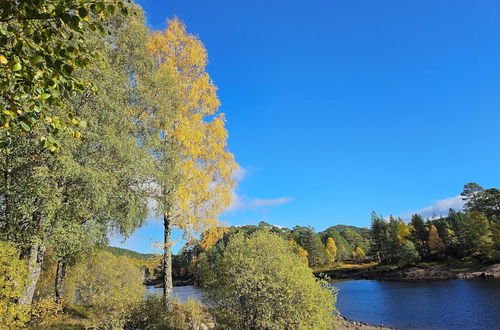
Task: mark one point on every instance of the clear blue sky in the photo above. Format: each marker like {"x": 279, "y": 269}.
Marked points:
{"x": 338, "y": 108}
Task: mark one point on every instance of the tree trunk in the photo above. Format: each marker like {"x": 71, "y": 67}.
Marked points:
{"x": 60, "y": 274}
{"x": 167, "y": 262}
{"x": 35, "y": 259}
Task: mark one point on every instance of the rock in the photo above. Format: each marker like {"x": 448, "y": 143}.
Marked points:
{"x": 343, "y": 323}
{"x": 492, "y": 271}
{"x": 192, "y": 324}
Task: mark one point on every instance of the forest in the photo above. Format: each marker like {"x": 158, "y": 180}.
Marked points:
{"x": 471, "y": 235}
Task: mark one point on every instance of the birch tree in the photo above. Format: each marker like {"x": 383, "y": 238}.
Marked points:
{"x": 187, "y": 135}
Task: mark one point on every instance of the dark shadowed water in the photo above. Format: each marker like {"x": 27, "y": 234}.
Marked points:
{"x": 451, "y": 304}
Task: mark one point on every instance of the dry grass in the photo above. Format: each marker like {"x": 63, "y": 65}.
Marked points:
{"x": 342, "y": 265}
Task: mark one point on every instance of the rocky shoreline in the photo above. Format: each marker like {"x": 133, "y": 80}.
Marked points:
{"x": 414, "y": 273}
{"x": 492, "y": 271}
{"x": 344, "y": 323}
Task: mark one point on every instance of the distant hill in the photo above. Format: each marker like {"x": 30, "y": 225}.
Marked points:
{"x": 359, "y": 230}
{"x": 125, "y": 252}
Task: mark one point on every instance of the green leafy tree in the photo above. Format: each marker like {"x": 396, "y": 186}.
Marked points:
{"x": 495, "y": 231}
{"x": 408, "y": 254}
{"x": 100, "y": 178}
{"x": 479, "y": 233}
{"x": 260, "y": 283}
{"x": 42, "y": 44}
{"x": 93, "y": 184}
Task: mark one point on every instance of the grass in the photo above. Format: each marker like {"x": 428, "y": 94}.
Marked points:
{"x": 339, "y": 266}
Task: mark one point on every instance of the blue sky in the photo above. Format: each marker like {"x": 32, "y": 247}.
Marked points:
{"x": 338, "y": 108}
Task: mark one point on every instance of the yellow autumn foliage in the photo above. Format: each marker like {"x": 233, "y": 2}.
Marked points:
{"x": 299, "y": 250}
{"x": 12, "y": 283}
{"x": 330, "y": 250}
{"x": 203, "y": 171}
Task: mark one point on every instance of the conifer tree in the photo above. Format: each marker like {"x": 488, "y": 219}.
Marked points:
{"x": 436, "y": 245}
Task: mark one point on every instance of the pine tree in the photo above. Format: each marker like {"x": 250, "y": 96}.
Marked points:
{"x": 419, "y": 234}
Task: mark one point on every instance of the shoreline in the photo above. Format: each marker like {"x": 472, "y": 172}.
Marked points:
{"x": 412, "y": 273}
{"x": 345, "y": 323}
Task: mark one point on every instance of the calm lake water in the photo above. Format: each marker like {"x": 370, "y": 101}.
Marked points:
{"x": 452, "y": 304}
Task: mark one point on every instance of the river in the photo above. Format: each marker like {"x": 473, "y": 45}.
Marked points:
{"x": 450, "y": 304}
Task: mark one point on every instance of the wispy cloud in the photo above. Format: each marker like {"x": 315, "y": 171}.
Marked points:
{"x": 246, "y": 203}
{"x": 240, "y": 202}
{"x": 259, "y": 202}
{"x": 240, "y": 173}
{"x": 439, "y": 208}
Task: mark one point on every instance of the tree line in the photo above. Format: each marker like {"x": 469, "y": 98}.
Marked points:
{"x": 336, "y": 244}
{"x": 473, "y": 233}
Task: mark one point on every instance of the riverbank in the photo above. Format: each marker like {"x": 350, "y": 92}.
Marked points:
{"x": 432, "y": 271}
{"x": 344, "y": 323}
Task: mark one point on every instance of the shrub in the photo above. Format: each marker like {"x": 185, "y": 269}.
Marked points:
{"x": 108, "y": 285}
{"x": 45, "y": 308}
{"x": 260, "y": 283}
{"x": 151, "y": 314}
{"x": 12, "y": 282}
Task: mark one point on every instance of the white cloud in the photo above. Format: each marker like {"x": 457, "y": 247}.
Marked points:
{"x": 240, "y": 202}
{"x": 246, "y": 203}
{"x": 240, "y": 174}
{"x": 259, "y": 202}
{"x": 439, "y": 208}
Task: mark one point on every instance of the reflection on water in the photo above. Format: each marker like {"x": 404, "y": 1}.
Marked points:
{"x": 452, "y": 304}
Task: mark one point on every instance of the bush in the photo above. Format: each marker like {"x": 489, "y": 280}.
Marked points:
{"x": 260, "y": 283}
{"x": 151, "y": 314}
{"x": 45, "y": 309}
{"x": 13, "y": 274}
{"x": 108, "y": 286}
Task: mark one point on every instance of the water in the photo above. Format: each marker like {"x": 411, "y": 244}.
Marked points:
{"x": 180, "y": 292}
{"x": 451, "y": 304}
